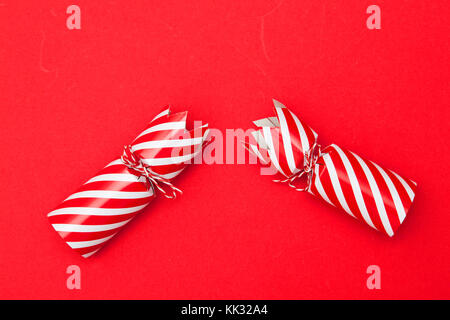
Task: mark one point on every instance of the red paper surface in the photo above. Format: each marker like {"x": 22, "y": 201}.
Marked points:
{"x": 70, "y": 100}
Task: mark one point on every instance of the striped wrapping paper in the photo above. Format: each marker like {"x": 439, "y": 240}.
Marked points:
{"x": 102, "y": 206}
{"x": 374, "y": 195}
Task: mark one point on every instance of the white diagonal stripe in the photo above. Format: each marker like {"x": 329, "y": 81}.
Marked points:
{"x": 87, "y": 255}
{"x": 171, "y": 175}
{"x": 405, "y": 185}
{"x": 90, "y": 243}
{"x": 95, "y": 211}
{"x": 394, "y": 193}
{"x": 171, "y": 160}
{"x": 163, "y": 113}
{"x": 115, "y": 162}
{"x": 302, "y": 133}
{"x": 336, "y": 184}
{"x": 285, "y": 134}
{"x": 114, "y": 177}
{"x": 107, "y": 194}
{"x": 167, "y": 143}
{"x": 319, "y": 186}
{"x": 355, "y": 186}
{"x": 377, "y": 196}
{"x": 87, "y": 227}
{"x": 164, "y": 126}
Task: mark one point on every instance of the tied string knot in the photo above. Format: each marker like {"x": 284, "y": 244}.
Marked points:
{"x": 310, "y": 159}
{"x": 135, "y": 163}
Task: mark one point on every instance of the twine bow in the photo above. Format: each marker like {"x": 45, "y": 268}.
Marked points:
{"x": 310, "y": 159}
{"x": 135, "y": 163}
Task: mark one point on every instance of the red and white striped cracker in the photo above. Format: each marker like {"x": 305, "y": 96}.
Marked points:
{"x": 101, "y": 207}
{"x": 285, "y": 139}
{"x": 378, "y": 197}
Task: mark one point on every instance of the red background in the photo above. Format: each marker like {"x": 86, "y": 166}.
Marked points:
{"x": 71, "y": 99}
